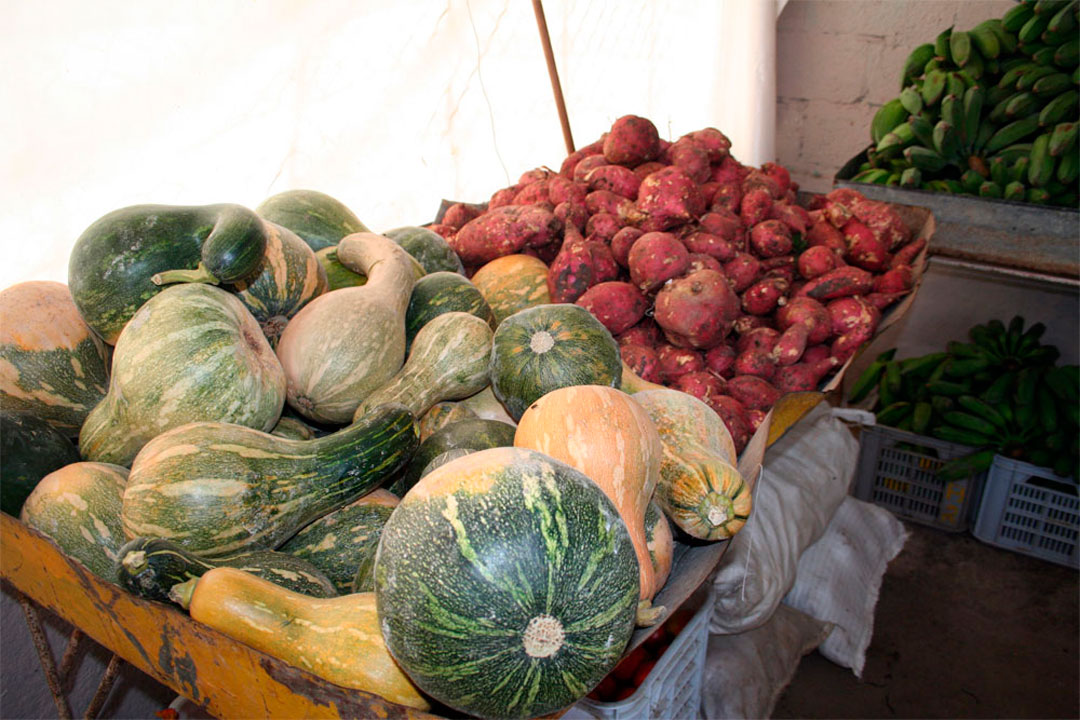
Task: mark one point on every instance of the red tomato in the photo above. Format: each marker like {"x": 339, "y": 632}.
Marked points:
{"x": 604, "y": 690}
{"x": 624, "y": 692}
{"x": 643, "y": 671}
{"x": 658, "y": 637}
{"x": 626, "y": 668}
{"x": 677, "y": 622}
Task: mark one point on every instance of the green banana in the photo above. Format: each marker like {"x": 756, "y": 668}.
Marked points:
{"x": 955, "y": 85}
{"x": 1012, "y": 153}
{"x": 1041, "y": 168}
{"x": 1041, "y": 356}
{"x": 866, "y": 381}
{"x": 1064, "y": 382}
{"x": 1068, "y": 199}
{"x": 887, "y": 117}
{"x": 1051, "y": 85}
{"x": 1062, "y": 138}
{"x": 1027, "y": 382}
{"x": 946, "y": 142}
{"x": 985, "y": 132}
{"x": 921, "y": 416}
{"x": 1021, "y": 105}
{"x": 923, "y": 365}
{"x": 976, "y": 65}
{"x": 1049, "y": 7}
{"x": 963, "y": 367}
{"x": 1054, "y": 38}
{"x": 990, "y": 189}
{"x": 971, "y": 180}
{"x": 986, "y": 339}
{"x": 891, "y": 415}
{"x": 951, "y": 433}
{"x": 1012, "y": 76}
{"x": 966, "y": 466}
{"x": 1067, "y": 54}
{"x": 1015, "y": 17}
{"x": 1038, "y": 196}
{"x": 911, "y": 99}
{"x": 915, "y": 62}
{"x": 911, "y": 177}
{"x": 960, "y": 47}
{"x": 1045, "y": 55}
{"x": 1032, "y": 29}
{"x": 933, "y": 87}
{"x": 1018, "y": 169}
{"x": 1068, "y": 169}
{"x": 985, "y": 40}
{"x": 982, "y": 409}
{"x": 1046, "y": 409}
{"x": 886, "y": 396}
{"x": 923, "y": 130}
{"x": 967, "y": 421}
{"x": 922, "y": 158}
{"x": 1029, "y": 78}
{"x": 1014, "y": 191}
{"x": 873, "y": 175}
{"x": 974, "y": 98}
{"x": 1064, "y": 20}
{"x": 941, "y": 45}
{"x": 1061, "y": 108}
{"x": 1012, "y": 133}
{"x": 947, "y": 387}
{"x": 942, "y": 404}
{"x": 999, "y": 171}
{"x": 999, "y": 390}
{"x": 896, "y": 139}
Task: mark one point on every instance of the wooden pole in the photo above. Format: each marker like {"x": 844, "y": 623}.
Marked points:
{"x": 560, "y": 104}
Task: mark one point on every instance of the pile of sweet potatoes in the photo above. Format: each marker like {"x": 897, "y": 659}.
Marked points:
{"x": 709, "y": 274}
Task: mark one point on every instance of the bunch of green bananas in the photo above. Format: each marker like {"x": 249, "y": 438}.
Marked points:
{"x": 992, "y": 111}
{"x": 1000, "y": 393}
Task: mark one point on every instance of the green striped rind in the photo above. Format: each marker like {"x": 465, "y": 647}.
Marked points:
{"x": 686, "y": 423}
{"x": 317, "y": 218}
{"x": 443, "y": 292}
{"x": 448, "y": 361}
{"x": 110, "y": 267}
{"x": 428, "y": 247}
{"x": 548, "y": 347}
{"x": 149, "y": 567}
{"x": 78, "y": 507}
{"x": 293, "y": 428}
{"x": 191, "y": 353}
{"x": 30, "y": 449}
{"x": 512, "y": 283}
{"x": 442, "y": 414}
{"x": 337, "y": 275}
{"x": 342, "y": 544}
{"x": 483, "y": 549}
{"x": 51, "y": 366}
{"x": 289, "y": 277}
{"x": 470, "y": 433}
{"x": 216, "y": 488}
{"x": 654, "y": 516}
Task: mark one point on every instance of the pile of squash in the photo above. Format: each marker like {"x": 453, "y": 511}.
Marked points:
{"x": 334, "y": 446}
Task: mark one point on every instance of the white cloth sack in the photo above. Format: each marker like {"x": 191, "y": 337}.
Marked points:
{"x": 746, "y": 673}
{"x": 804, "y": 478}
{"x": 839, "y": 577}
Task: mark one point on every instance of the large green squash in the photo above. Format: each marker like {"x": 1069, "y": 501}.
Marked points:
{"x": 149, "y": 567}
{"x": 192, "y": 352}
{"x": 30, "y": 449}
{"x": 347, "y": 343}
{"x": 506, "y": 584}
{"x": 442, "y": 292}
{"x": 111, "y": 267}
{"x": 471, "y": 433}
{"x": 428, "y": 247}
{"x": 319, "y": 220}
{"x": 216, "y": 488}
{"x": 342, "y": 544}
{"x": 547, "y": 347}
{"x": 78, "y": 507}
{"x": 51, "y": 366}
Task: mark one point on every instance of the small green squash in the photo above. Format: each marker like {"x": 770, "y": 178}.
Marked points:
{"x": 216, "y": 488}
{"x": 78, "y": 507}
{"x": 337, "y": 275}
{"x": 51, "y": 366}
{"x": 319, "y": 219}
{"x": 506, "y": 584}
{"x": 547, "y": 347}
{"x": 471, "y": 433}
{"x": 428, "y": 247}
{"x": 448, "y": 361}
{"x": 442, "y": 414}
{"x": 442, "y": 292}
{"x": 342, "y": 543}
{"x": 512, "y": 283}
{"x": 30, "y": 449}
{"x": 113, "y": 262}
{"x": 347, "y": 343}
{"x": 193, "y": 352}
{"x": 149, "y": 567}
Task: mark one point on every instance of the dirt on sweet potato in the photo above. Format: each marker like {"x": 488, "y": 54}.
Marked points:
{"x": 765, "y": 295}
{"x": 676, "y": 361}
{"x": 696, "y": 310}
{"x": 643, "y": 360}
{"x": 504, "y": 231}
{"x": 690, "y": 156}
{"x": 621, "y": 243}
{"x": 720, "y": 360}
{"x": 742, "y": 271}
{"x": 753, "y": 392}
{"x": 669, "y": 198}
{"x": 617, "y": 178}
{"x": 700, "y": 383}
{"x": 602, "y": 227}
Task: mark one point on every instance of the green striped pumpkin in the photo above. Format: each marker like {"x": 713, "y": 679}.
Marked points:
{"x": 149, "y": 567}
{"x": 193, "y": 352}
{"x": 319, "y": 219}
{"x": 51, "y": 366}
{"x": 548, "y": 347}
{"x": 512, "y": 283}
{"x": 114, "y": 261}
{"x": 428, "y": 247}
{"x": 506, "y": 584}
{"x": 216, "y": 488}
{"x": 30, "y": 449}
{"x": 78, "y": 507}
{"x": 342, "y": 544}
{"x": 442, "y": 292}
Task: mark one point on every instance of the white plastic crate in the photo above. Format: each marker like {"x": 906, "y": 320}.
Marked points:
{"x": 897, "y": 470}
{"x": 671, "y": 690}
{"x": 1030, "y": 510}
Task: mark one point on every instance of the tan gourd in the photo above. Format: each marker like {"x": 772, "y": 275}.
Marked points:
{"x": 348, "y": 342}
{"x": 337, "y": 639}
{"x": 606, "y": 434}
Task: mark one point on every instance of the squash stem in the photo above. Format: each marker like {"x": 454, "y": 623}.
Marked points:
{"x": 198, "y": 275}
{"x": 182, "y": 592}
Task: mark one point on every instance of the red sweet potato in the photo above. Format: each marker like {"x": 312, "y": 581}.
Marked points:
{"x": 669, "y": 197}
{"x": 561, "y": 189}
{"x": 602, "y": 227}
{"x": 618, "y": 179}
{"x": 883, "y": 300}
{"x": 753, "y": 392}
{"x": 535, "y": 193}
{"x": 908, "y": 253}
{"x": 691, "y": 157}
{"x": 566, "y": 169}
{"x": 844, "y": 346}
{"x": 897, "y": 279}
{"x": 701, "y": 384}
{"x": 676, "y": 361}
{"x": 587, "y": 165}
{"x": 617, "y": 305}
{"x": 742, "y": 271}
{"x": 781, "y": 267}
{"x": 803, "y": 376}
{"x": 727, "y": 196}
{"x": 696, "y": 310}
{"x": 715, "y": 143}
{"x": 770, "y": 238}
{"x": 621, "y": 243}
{"x": 754, "y": 418}
{"x": 854, "y": 322}
{"x": 655, "y": 258}
{"x": 729, "y": 170}
{"x": 887, "y": 225}
{"x": 644, "y": 361}
{"x": 573, "y": 213}
{"x": 779, "y": 175}
{"x": 822, "y": 232}
{"x": 701, "y": 261}
{"x": 709, "y": 244}
{"x": 815, "y": 353}
{"x": 793, "y": 216}
{"x": 844, "y": 281}
{"x": 755, "y": 206}
{"x": 863, "y": 249}
{"x": 755, "y": 361}
{"x": 817, "y": 260}
{"x": 606, "y": 201}
{"x": 708, "y": 191}
{"x": 446, "y": 231}
{"x": 460, "y": 213}
{"x": 504, "y": 231}
{"x": 646, "y": 333}
{"x": 720, "y": 360}
{"x": 631, "y": 141}
{"x": 579, "y": 266}
{"x": 646, "y": 169}
{"x": 745, "y": 323}
{"x": 803, "y": 321}
{"x": 765, "y": 295}
{"x": 837, "y": 213}
{"x": 723, "y": 223}
{"x": 535, "y": 175}
{"x": 757, "y": 180}
{"x": 732, "y": 412}
{"x": 758, "y": 338}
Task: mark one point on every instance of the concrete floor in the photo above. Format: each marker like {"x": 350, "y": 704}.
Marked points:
{"x": 962, "y": 630}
